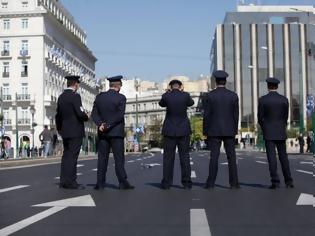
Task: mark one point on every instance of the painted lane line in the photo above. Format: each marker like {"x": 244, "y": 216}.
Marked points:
{"x": 224, "y": 163}
{"x": 79, "y": 165}
{"x": 13, "y": 188}
{"x": 306, "y": 200}
{"x": 58, "y": 177}
{"x": 56, "y": 206}
{"x": 199, "y": 225}
{"x": 193, "y": 174}
{"x": 139, "y": 159}
{"x": 262, "y": 162}
{"x": 191, "y": 163}
{"x": 94, "y": 169}
{"x": 130, "y": 161}
{"x": 305, "y": 172}
{"x": 307, "y": 162}
{"x": 261, "y": 157}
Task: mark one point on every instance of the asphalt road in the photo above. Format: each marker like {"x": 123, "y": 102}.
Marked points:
{"x": 148, "y": 210}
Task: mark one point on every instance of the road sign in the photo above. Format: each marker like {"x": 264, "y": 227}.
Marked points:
{"x": 56, "y": 206}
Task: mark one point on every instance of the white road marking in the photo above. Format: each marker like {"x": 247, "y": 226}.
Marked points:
{"x": 193, "y": 174}
{"x": 199, "y": 225}
{"x": 224, "y": 163}
{"x": 79, "y": 165}
{"x": 307, "y": 162}
{"x": 305, "y": 172}
{"x": 306, "y": 200}
{"x": 262, "y": 162}
{"x": 130, "y": 161}
{"x": 139, "y": 159}
{"x": 58, "y": 177}
{"x": 191, "y": 163}
{"x": 261, "y": 157}
{"x": 56, "y": 206}
{"x": 13, "y": 188}
{"x": 94, "y": 169}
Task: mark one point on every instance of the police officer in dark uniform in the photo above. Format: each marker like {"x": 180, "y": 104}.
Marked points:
{"x": 70, "y": 120}
{"x": 108, "y": 114}
{"x": 221, "y": 115}
{"x": 176, "y": 131}
{"x": 273, "y": 110}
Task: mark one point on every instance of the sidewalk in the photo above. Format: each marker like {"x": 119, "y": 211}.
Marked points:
{"x": 22, "y": 162}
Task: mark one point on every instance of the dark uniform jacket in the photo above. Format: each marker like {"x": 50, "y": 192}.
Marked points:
{"x": 221, "y": 113}
{"x": 109, "y": 107}
{"x": 176, "y": 123}
{"x": 70, "y": 116}
{"x": 273, "y": 110}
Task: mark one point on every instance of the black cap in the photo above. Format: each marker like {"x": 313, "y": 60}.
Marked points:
{"x": 220, "y": 75}
{"x": 272, "y": 81}
{"x": 117, "y": 78}
{"x": 175, "y": 81}
{"x": 73, "y": 77}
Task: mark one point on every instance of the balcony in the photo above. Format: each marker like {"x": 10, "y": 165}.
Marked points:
{"x": 5, "y": 74}
{"x": 5, "y": 53}
{"x": 6, "y": 98}
{"x": 23, "y": 97}
{"x": 24, "y": 54}
{"x": 24, "y": 74}
{"x": 7, "y": 122}
{"x": 24, "y": 121}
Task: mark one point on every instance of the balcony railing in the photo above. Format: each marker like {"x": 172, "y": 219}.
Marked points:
{"x": 24, "y": 121}
{"x": 5, "y": 74}
{"x": 23, "y": 97}
{"x": 7, "y": 122}
{"x": 24, "y": 74}
{"x": 6, "y": 97}
{"x": 24, "y": 53}
{"x": 5, "y": 53}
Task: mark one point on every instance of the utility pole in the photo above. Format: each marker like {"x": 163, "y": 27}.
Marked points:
{"x": 1, "y": 113}
{"x": 17, "y": 127}
{"x": 137, "y": 85}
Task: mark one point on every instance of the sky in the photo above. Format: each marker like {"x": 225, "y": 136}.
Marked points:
{"x": 153, "y": 39}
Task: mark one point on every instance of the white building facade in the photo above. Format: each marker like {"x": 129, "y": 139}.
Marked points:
{"x": 40, "y": 44}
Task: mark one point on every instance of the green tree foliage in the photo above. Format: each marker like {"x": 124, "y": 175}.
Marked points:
{"x": 196, "y": 123}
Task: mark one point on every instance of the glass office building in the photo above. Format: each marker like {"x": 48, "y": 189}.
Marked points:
{"x": 257, "y": 42}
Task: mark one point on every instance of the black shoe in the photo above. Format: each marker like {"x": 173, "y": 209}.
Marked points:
{"x": 126, "y": 186}
{"x": 236, "y": 186}
{"x": 208, "y": 186}
{"x": 274, "y": 186}
{"x": 289, "y": 185}
{"x": 187, "y": 186}
{"x": 77, "y": 186}
{"x": 99, "y": 187}
{"x": 165, "y": 186}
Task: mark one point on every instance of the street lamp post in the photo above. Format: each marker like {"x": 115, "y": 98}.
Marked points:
{"x": 137, "y": 85}
{"x": 33, "y": 110}
{"x": 17, "y": 127}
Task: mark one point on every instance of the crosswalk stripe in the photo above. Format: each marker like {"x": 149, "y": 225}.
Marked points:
{"x": 262, "y": 162}
{"x": 193, "y": 174}
{"x": 305, "y": 172}
{"x": 199, "y": 225}
{"x": 13, "y": 188}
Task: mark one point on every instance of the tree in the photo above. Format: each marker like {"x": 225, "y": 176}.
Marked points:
{"x": 155, "y": 135}
{"x": 196, "y": 123}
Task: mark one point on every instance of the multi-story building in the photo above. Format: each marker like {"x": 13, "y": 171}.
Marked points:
{"x": 257, "y": 42}
{"x": 40, "y": 43}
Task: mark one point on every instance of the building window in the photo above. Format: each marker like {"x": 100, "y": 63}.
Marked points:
{"x": 6, "y": 92}
{"x": 24, "y": 71}
{"x": 24, "y": 3}
{"x": 4, "y": 5}
{"x": 24, "y": 49}
{"x": 24, "y": 88}
{"x": 24, "y": 23}
{"x": 6, "y": 24}
{"x": 6, "y": 48}
{"x": 6, "y": 70}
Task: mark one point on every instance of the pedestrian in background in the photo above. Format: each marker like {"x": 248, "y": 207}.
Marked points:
{"x": 301, "y": 143}
{"x": 221, "y": 115}
{"x": 309, "y": 143}
{"x": 176, "y": 131}
{"x": 273, "y": 111}
{"x": 46, "y": 139}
